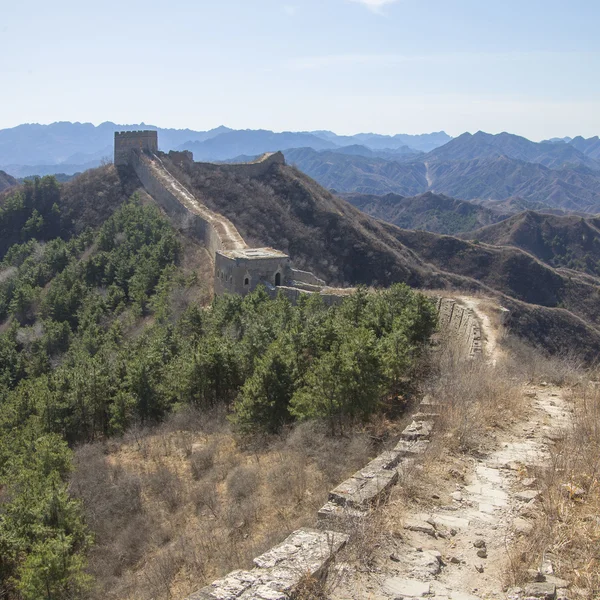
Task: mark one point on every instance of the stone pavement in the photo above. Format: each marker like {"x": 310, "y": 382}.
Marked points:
{"x": 457, "y": 551}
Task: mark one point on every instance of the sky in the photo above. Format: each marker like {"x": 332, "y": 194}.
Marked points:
{"x": 529, "y": 67}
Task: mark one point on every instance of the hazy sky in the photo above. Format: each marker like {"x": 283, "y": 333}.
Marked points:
{"x": 391, "y": 66}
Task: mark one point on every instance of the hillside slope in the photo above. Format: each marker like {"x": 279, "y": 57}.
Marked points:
{"x": 430, "y": 212}
{"x": 6, "y": 181}
{"x": 561, "y": 241}
{"x": 284, "y": 208}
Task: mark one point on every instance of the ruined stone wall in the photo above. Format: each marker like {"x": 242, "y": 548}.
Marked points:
{"x": 459, "y": 326}
{"x": 128, "y": 141}
{"x": 309, "y": 552}
{"x": 215, "y": 231}
{"x": 305, "y": 277}
{"x": 294, "y": 294}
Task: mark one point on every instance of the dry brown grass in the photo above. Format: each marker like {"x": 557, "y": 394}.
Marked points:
{"x": 176, "y": 507}
{"x": 567, "y": 522}
{"x": 478, "y": 399}
{"x": 526, "y": 363}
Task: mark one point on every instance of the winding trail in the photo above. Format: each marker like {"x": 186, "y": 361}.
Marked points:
{"x": 456, "y": 544}
{"x": 226, "y": 230}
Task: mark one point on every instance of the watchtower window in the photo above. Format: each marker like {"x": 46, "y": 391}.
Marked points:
{"x": 278, "y": 279}
{"x": 246, "y": 281}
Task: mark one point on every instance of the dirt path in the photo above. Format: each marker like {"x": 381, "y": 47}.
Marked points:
{"x": 458, "y": 549}
{"x": 456, "y": 544}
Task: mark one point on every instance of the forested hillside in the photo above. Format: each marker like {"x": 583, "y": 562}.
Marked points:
{"x": 103, "y": 326}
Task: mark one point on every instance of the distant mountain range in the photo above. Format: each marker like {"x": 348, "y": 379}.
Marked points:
{"x": 33, "y": 149}
{"x": 502, "y": 172}
{"x": 484, "y": 145}
{"x": 483, "y": 168}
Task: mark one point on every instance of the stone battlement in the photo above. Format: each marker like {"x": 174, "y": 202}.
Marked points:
{"x": 127, "y": 141}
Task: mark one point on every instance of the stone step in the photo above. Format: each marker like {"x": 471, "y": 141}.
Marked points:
{"x": 411, "y": 448}
{"x": 426, "y": 416}
{"x": 417, "y": 430}
{"x": 364, "y": 488}
{"x": 428, "y": 401}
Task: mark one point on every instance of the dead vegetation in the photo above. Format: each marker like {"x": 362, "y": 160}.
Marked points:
{"x": 566, "y": 530}
{"x": 477, "y": 398}
{"x": 178, "y": 506}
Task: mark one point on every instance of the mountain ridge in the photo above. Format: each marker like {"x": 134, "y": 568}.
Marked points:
{"x": 285, "y": 209}
{"x": 428, "y": 211}
{"x": 32, "y": 144}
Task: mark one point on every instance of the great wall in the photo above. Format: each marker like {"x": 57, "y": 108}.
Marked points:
{"x": 239, "y": 269}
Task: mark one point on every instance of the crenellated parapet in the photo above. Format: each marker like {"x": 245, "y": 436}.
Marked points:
{"x": 126, "y": 141}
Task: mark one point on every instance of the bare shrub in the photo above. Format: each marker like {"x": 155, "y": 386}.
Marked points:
{"x": 366, "y": 535}
{"x": 191, "y": 418}
{"x": 206, "y": 496}
{"x": 534, "y": 366}
{"x": 243, "y": 482}
{"x": 288, "y": 477}
{"x": 137, "y": 436}
{"x": 166, "y": 485}
{"x": 312, "y": 440}
{"x": 183, "y": 442}
{"x": 202, "y": 460}
{"x": 112, "y": 501}
{"x": 309, "y": 588}
{"x": 161, "y": 570}
{"x": 476, "y": 397}
{"x": 241, "y": 514}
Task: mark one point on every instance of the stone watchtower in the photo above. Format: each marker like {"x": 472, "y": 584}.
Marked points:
{"x": 126, "y": 141}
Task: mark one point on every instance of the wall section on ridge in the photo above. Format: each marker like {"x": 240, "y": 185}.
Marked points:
{"x": 459, "y": 326}
{"x": 215, "y": 231}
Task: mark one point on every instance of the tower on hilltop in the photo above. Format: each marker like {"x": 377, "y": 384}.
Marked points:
{"x": 126, "y": 141}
